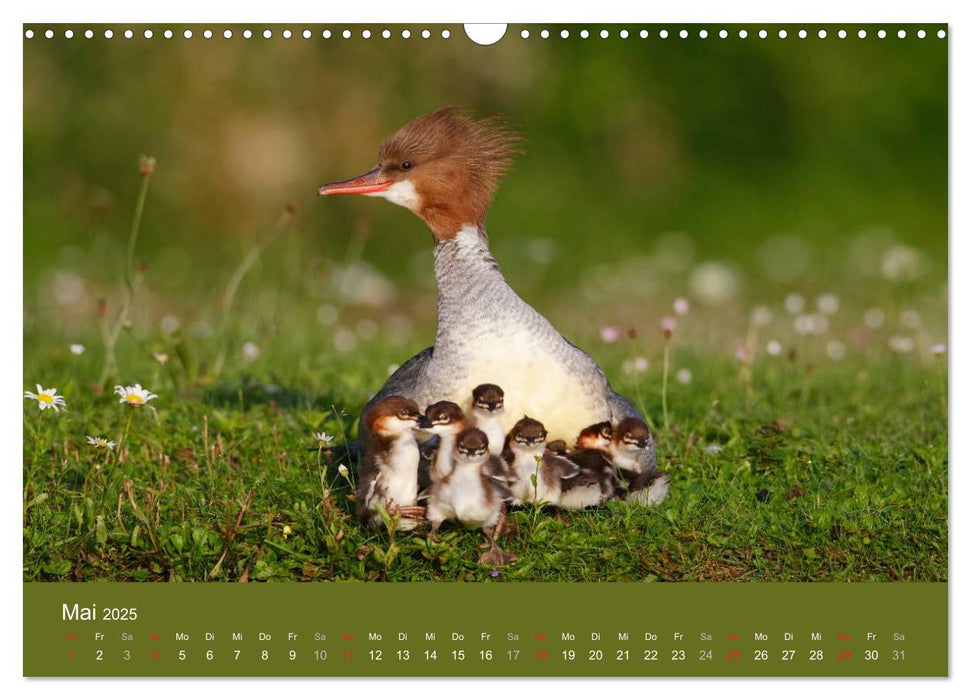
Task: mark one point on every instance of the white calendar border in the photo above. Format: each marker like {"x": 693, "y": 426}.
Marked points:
{"x": 711, "y": 11}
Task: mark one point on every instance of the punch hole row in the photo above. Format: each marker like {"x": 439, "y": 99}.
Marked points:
{"x": 245, "y": 34}
{"x": 445, "y": 34}
{"x": 725, "y": 34}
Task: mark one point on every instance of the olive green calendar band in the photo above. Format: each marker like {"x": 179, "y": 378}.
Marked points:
{"x": 484, "y": 629}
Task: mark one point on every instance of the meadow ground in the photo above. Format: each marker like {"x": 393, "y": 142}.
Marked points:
{"x": 803, "y": 459}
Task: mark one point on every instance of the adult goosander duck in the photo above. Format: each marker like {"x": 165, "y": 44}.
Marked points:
{"x": 445, "y": 167}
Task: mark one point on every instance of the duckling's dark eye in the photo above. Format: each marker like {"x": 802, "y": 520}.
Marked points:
{"x": 407, "y": 165}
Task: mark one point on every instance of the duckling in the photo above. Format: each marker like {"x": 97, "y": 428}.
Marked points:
{"x": 446, "y": 420}
{"x": 487, "y": 414}
{"x": 597, "y": 479}
{"x": 388, "y": 473}
{"x": 632, "y": 453}
{"x": 473, "y": 493}
{"x": 537, "y": 473}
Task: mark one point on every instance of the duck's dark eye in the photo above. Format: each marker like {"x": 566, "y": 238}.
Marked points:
{"x": 407, "y": 165}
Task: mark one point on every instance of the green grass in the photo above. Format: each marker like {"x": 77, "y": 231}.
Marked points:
{"x": 835, "y": 475}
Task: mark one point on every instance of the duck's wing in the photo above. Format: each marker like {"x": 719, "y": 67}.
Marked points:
{"x": 562, "y": 467}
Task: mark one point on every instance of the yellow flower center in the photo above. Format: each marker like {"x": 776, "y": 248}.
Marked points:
{"x": 45, "y": 398}
{"x": 133, "y": 398}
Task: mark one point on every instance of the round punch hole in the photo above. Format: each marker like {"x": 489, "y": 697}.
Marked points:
{"x": 50, "y": 33}
{"x": 287, "y": 34}
{"x": 267, "y": 34}
{"x": 821, "y": 34}
{"x": 841, "y": 33}
{"x": 941, "y": 34}
{"x": 227, "y": 34}
{"x": 307, "y": 34}
{"x": 545, "y": 34}
{"x": 446, "y": 34}
{"x": 207, "y": 34}
{"x": 723, "y": 34}
{"x": 683, "y": 34}
{"x": 624, "y": 34}
{"x": 68, "y": 34}
{"x": 326, "y": 34}
{"x": 129, "y": 33}
{"x": 187, "y": 33}
{"x": 604, "y": 33}
{"x": 763, "y": 34}
{"x": 584, "y": 34}
{"x": 783, "y": 34}
{"x": 247, "y": 34}
{"x": 921, "y": 33}
{"x": 742, "y": 34}
{"x": 148, "y": 34}
{"x": 703, "y": 34}
{"x": 405, "y": 34}
{"x": 167, "y": 34}
{"x": 386, "y": 34}
{"x": 882, "y": 34}
{"x": 524, "y": 34}
{"x": 663, "y": 34}
{"x": 29, "y": 34}
{"x": 425, "y": 34}
{"x": 88, "y": 34}
{"x": 366, "y": 34}
{"x": 108, "y": 34}
{"x": 901, "y": 34}
{"x": 861, "y": 33}
{"x": 565, "y": 34}
{"x": 346, "y": 33}
{"x": 644, "y": 34}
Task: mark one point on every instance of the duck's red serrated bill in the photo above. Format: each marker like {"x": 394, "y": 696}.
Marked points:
{"x": 368, "y": 183}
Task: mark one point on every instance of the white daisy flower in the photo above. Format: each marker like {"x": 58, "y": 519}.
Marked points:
{"x": 46, "y": 398}
{"x": 323, "y": 439}
{"x": 77, "y": 349}
{"x": 134, "y": 396}
{"x": 104, "y": 443}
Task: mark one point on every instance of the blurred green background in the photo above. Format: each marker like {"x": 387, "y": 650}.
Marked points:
{"x": 731, "y": 171}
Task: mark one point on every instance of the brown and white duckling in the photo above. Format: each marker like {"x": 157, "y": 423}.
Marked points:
{"x": 472, "y": 493}
{"x": 488, "y": 407}
{"x": 388, "y": 473}
{"x": 597, "y": 479}
{"x": 446, "y": 420}
{"x": 538, "y": 473}
{"x": 632, "y": 453}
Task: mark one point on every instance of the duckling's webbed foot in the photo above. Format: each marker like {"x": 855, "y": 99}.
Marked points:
{"x": 495, "y": 556}
{"x": 416, "y": 513}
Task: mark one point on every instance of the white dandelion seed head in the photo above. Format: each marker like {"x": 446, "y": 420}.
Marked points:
{"x": 366, "y": 329}
{"x": 250, "y": 351}
{"x": 636, "y": 365}
{"x": 828, "y": 304}
{"x": 761, "y": 316}
{"x": 773, "y": 347}
{"x": 902, "y": 344}
{"x": 713, "y": 283}
{"x": 77, "y": 349}
{"x": 874, "y": 318}
{"x": 901, "y": 263}
{"x": 683, "y": 376}
{"x": 910, "y": 319}
{"x": 169, "y": 324}
{"x": 835, "y": 350}
{"x": 681, "y": 306}
{"x": 795, "y": 303}
{"x": 669, "y": 323}
{"x": 344, "y": 340}
{"x": 938, "y": 349}
{"x": 327, "y": 314}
